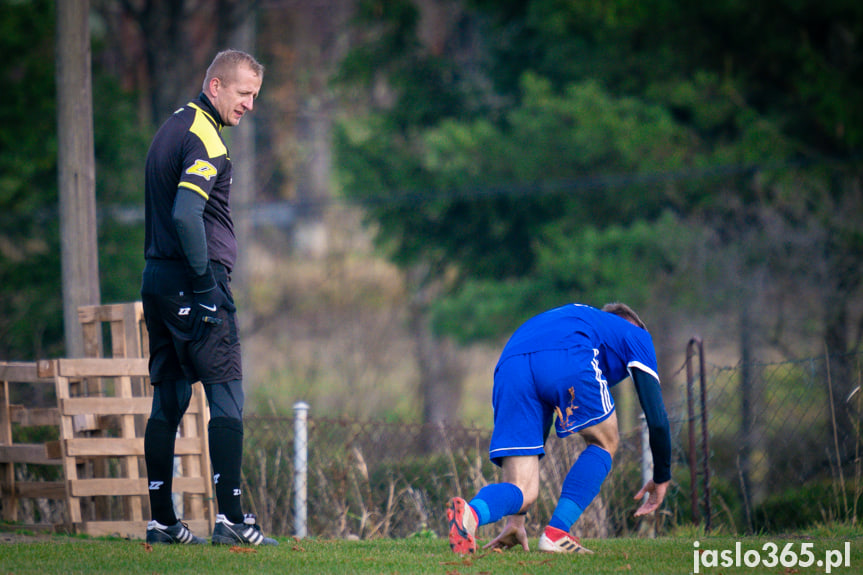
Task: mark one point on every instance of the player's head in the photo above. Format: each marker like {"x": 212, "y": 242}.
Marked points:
{"x": 624, "y": 311}
{"x": 232, "y": 83}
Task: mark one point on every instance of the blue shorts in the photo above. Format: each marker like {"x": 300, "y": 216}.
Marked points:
{"x": 530, "y": 389}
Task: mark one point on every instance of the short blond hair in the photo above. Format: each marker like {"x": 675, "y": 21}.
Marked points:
{"x": 624, "y": 311}
{"x": 225, "y": 64}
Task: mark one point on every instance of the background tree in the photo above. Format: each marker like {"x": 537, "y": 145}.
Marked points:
{"x": 678, "y": 156}
{"x": 724, "y": 129}
{"x": 76, "y": 169}
{"x": 31, "y": 314}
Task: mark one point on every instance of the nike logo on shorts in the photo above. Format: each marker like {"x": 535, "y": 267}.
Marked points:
{"x": 208, "y": 307}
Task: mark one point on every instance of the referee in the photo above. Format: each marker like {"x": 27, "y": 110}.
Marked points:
{"x": 190, "y": 249}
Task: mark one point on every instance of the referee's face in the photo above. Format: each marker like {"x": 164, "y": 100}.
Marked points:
{"x": 236, "y": 96}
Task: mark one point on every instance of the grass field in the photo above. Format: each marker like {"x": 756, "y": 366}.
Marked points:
{"x": 69, "y": 555}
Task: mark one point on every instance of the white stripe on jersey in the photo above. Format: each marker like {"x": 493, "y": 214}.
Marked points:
{"x": 640, "y": 366}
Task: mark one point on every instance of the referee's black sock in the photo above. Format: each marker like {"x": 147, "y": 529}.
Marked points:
{"x": 226, "y": 454}
{"x": 159, "y": 457}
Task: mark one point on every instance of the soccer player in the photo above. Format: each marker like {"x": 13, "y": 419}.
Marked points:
{"x": 563, "y": 362}
{"x": 190, "y": 249}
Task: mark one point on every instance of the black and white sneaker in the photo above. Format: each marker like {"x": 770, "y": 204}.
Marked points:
{"x": 176, "y": 533}
{"x": 246, "y": 533}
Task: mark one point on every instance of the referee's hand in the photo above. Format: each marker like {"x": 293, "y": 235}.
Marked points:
{"x": 205, "y": 310}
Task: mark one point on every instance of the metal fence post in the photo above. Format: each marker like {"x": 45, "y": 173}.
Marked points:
{"x": 695, "y": 344}
{"x": 301, "y": 444}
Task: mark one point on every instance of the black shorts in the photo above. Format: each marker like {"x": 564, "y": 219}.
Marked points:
{"x": 166, "y": 293}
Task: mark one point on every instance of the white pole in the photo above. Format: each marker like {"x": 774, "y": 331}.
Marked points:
{"x": 647, "y": 528}
{"x": 646, "y": 454}
{"x": 301, "y": 444}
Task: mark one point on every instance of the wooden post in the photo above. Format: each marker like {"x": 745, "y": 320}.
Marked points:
{"x": 7, "y": 468}
{"x": 76, "y": 168}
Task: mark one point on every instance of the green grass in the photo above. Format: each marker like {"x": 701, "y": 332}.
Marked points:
{"x": 69, "y": 555}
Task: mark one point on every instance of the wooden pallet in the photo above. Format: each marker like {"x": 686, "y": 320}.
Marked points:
{"x": 116, "y": 330}
{"x": 116, "y": 413}
{"x": 12, "y": 491}
{"x": 103, "y": 403}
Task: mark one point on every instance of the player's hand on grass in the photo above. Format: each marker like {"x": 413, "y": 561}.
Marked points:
{"x": 655, "y": 494}
{"x": 513, "y": 534}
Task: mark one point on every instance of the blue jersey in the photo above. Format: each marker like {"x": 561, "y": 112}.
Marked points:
{"x": 620, "y": 345}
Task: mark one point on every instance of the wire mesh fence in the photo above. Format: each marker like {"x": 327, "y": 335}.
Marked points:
{"x": 785, "y": 442}
{"x": 784, "y": 452}
{"x": 374, "y": 479}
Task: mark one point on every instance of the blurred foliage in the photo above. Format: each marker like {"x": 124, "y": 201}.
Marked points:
{"x": 819, "y": 502}
{"x": 549, "y": 137}
{"x": 30, "y": 297}
{"x": 601, "y": 149}
{"x": 31, "y": 307}
{"x": 792, "y": 61}
{"x": 718, "y": 142}
{"x": 121, "y": 150}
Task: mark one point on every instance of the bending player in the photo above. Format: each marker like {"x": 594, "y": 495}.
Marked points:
{"x": 563, "y": 362}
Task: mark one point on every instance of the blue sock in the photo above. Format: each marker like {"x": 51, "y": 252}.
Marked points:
{"x": 565, "y": 514}
{"x": 495, "y": 501}
{"x": 581, "y": 486}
